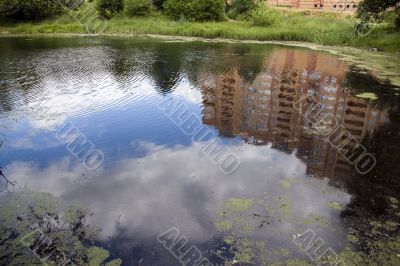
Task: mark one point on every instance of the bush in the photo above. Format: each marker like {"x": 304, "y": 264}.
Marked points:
{"x": 264, "y": 16}
{"x": 178, "y": 8}
{"x": 137, "y": 7}
{"x": 31, "y": 9}
{"x": 108, "y": 8}
{"x": 195, "y": 10}
{"x": 238, "y": 7}
{"x": 159, "y": 4}
{"x": 397, "y": 22}
{"x": 391, "y": 17}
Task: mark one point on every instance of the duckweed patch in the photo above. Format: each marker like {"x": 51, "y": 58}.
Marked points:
{"x": 335, "y": 205}
{"x": 352, "y": 238}
{"x": 367, "y": 95}
{"x": 26, "y": 218}
{"x": 313, "y": 218}
{"x": 223, "y": 225}
{"x": 384, "y": 252}
{"x": 237, "y": 205}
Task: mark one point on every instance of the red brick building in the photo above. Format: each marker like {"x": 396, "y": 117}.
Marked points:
{"x": 331, "y": 5}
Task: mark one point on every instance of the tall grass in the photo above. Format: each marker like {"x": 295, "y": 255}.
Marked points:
{"x": 304, "y": 26}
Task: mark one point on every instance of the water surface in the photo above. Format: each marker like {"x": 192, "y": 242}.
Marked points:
{"x": 131, "y": 98}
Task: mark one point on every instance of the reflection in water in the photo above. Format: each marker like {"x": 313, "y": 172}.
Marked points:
{"x": 9, "y": 184}
{"x": 37, "y": 229}
{"x": 156, "y": 177}
{"x": 264, "y": 111}
{"x": 147, "y": 196}
{"x": 373, "y": 214}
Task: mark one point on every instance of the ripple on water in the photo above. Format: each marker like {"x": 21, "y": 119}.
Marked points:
{"x": 76, "y": 82}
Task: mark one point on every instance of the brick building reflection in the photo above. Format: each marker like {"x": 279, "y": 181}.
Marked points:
{"x": 263, "y": 111}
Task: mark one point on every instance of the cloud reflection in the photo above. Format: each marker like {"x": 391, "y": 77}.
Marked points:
{"x": 179, "y": 186}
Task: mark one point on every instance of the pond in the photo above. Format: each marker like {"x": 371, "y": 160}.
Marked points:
{"x": 198, "y": 153}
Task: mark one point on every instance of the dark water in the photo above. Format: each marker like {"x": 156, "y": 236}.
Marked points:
{"x": 274, "y": 173}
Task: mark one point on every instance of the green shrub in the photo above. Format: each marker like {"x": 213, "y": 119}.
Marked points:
{"x": 158, "y": 4}
{"x": 109, "y": 8}
{"x": 72, "y": 4}
{"x": 238, "y": 7}
{"x": 264, "y": 16}
{"x": 206, "y": 10}
{"x": 177, "y": 8}
{"x": 137, "y": 7}
{"x": 397, "y": 22}
{"x": 392, "y": 17}
{"x": 33, "y": 9}
{"x": 195, "y": 10}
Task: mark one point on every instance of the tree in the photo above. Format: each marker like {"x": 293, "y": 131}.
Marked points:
{"x": 34, "y": 9}
{"x": 137, "y": 7}
{"x": 10, "y": 6}
{"x": 196, "y": 10}
{"x": 159, "y": 4}
{"x": 108, "y": 8}
{"x": 372, "y": 10}
{"x": 237, "y": 7}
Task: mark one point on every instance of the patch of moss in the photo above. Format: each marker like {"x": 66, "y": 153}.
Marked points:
{"x": 223, "y": 225}
{"x": 393, "y": 200}
{"x": 352, "y": 238}
{"x": 27, "y": 218}
{"x": 390, "y": 225}
{"x": 367, "y": 95}
{"x": 98, "y": 255}
{"x": 335, "y": 205}
{"x": 384, "y": 252}
{"x": 237, "y": 205}
{"x": 229, "y": 240}
{"x": 350, "y": 258}
{"x": 316, "y": 219}
{"x": 244, "y": 253}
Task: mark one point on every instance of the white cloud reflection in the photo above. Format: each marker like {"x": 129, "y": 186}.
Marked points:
{"x": 180, "y": 187}
{"x": 189, "y": 92}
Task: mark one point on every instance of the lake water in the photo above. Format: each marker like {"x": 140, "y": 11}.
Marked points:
{"x": 239, "y": 149}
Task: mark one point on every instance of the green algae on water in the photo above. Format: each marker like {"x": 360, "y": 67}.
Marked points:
{"x": 237, "y": 205}
{"x": 367, "y": 95}
{"x": 335, "y": 205}
{"x": 27, "y": 218}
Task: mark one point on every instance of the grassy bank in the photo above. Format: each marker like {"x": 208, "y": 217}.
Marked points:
{"x": 314, "y": 27}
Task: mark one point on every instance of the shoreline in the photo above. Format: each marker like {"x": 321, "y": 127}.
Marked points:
{"x": 384, "y": 65}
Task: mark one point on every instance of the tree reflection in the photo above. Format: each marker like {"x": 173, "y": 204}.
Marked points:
{"x": 374, "y": 190}
{"x": 360, "y": 81}
{"x": 372, "y": 217}
{"x": 166, "y": 68}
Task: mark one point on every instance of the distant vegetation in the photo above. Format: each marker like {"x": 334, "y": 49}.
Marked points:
{"x": 372, "y": 27}
{"x": 35, "y": 9}
{"x": 109, "y": 8}
{"x": 375, "y": 10}
{"x": 195, "y": 10}
{"x": 137, "y": 7}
